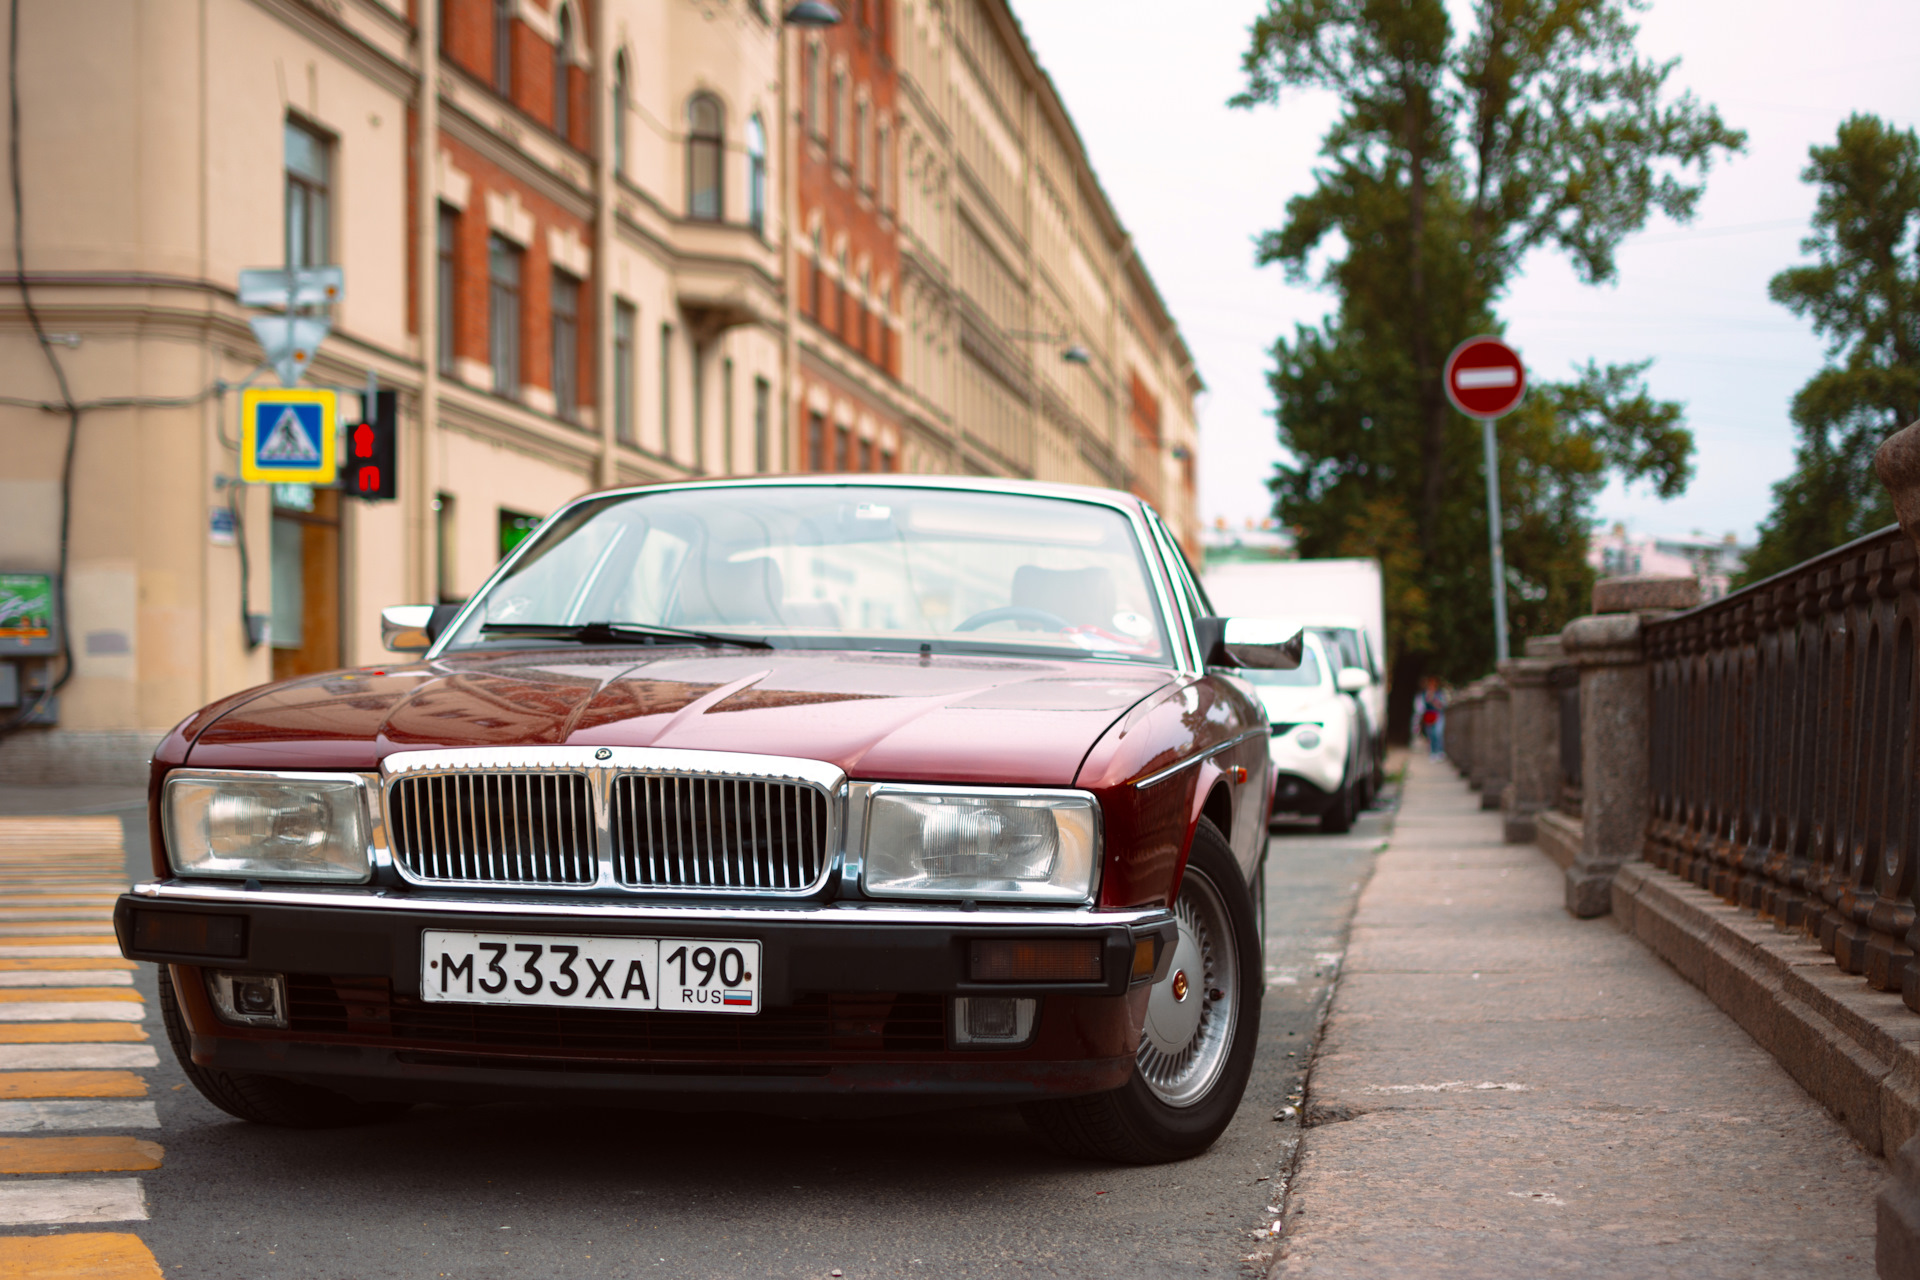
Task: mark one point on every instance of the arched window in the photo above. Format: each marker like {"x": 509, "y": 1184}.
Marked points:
{"x": 503, "y": 48}
{"x": 562, "y": 42}
{"x": 620, "y": 113}
{"x": 706, "y": 140}
{"x": 756, "y": 174}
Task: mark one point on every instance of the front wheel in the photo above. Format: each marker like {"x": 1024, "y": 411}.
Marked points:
{"x": 1196, "y": 1050}
{"x": 1337, "y": 818}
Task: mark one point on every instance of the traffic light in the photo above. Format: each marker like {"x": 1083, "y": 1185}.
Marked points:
{"x": 373, "y": 451}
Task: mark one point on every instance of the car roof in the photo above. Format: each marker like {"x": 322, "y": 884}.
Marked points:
{"x": 1117, "y": 498}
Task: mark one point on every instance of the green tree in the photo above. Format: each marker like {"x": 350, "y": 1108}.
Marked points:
{"x": 1863, "y": 296}
{"x": 1453, "y": 157}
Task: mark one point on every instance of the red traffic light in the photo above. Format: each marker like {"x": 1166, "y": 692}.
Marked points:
{"x": 372, "y": 472}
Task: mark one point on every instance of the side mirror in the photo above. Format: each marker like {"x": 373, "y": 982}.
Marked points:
{"x": 412, "y": 628}
{"x": 1353, "y": 679}
{"x": 1261, "y": 643}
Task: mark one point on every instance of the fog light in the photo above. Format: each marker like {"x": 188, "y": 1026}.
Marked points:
{"x": 249, "y": 999}
{"x": 1000, "y": 1021}
{"x": 1037, "y": 960}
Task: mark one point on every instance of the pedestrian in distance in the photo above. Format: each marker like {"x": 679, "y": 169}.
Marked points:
{"x": 1430, "y": 712}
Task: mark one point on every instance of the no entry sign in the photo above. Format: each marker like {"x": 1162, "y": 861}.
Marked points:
{"x": 1485, "y": 378}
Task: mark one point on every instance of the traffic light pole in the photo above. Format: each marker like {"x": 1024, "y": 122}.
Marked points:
{"x": 1493, "y": 538}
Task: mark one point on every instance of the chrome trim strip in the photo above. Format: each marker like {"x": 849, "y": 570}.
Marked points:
{"x": 359, "y": 897}
{"x": 1162, "y": 775}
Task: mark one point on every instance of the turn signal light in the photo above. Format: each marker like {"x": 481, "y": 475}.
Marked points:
{"x": 1143, "y": 959}
{"x": 1037, "y": 960}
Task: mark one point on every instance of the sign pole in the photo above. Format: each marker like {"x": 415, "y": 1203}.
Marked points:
{"x": 1493, "y": 538}
{"x": 1485, "y": 379}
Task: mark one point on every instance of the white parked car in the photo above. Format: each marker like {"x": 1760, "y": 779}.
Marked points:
{"x": 1350, "y": 646}
{"x": 1320, "y": 746}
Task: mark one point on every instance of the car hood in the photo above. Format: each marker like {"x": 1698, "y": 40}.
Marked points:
{"x": 879, "y": 716}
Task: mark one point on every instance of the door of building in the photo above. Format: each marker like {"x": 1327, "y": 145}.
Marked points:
{"x": 306, "y": 580}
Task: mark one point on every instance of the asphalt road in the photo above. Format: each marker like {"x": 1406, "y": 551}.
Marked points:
{"x": 538, "y": 1191}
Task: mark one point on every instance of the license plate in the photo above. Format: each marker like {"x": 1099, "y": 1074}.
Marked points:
{"x": 695, "y": 975}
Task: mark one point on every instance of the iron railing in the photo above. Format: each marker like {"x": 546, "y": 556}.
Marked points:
{"x": 1782, "y": 754}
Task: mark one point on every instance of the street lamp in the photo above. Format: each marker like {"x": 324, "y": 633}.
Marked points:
{"x": 811, "y": 13}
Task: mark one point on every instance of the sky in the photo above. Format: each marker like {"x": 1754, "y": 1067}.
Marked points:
{"x": 1195, "y": 182}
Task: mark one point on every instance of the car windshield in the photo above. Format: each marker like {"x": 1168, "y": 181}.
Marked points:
{"x": 1304, "y": 676}
{"x": 861, "y": 566}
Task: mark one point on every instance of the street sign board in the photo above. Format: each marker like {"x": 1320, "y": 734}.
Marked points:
{"x": 291, "y": 290}
{"x": 289, "y": 342}
{"x": 1484, "y": 378}
{"x": 287, "y": 436}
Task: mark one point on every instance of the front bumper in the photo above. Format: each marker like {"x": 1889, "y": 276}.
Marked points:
{"x": 855, "y": 998}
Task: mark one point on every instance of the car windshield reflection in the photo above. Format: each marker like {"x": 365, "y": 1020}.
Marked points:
{"x": 854, "y": 566}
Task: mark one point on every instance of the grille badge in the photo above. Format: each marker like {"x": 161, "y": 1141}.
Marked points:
{"x": 604, "y": 753}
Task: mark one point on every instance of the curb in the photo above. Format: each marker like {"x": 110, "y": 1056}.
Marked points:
{"x": 1856, "y": 1050}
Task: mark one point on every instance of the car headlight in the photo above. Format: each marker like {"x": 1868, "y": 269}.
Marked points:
{"x": 273, "y": 827}
{"x": 1022, "y": 846}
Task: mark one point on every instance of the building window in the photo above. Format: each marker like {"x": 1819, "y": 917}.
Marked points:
{"x": 666, "y": 390}
{"x": 503, "y": 47}
{"x": 706, "y": 148}
{"x": 886, "y": 460}
{"x": 562, "y": 46}
{"x": 816, "y": 441}
{"x": 566, "y": 345}
{"x": 444, "y": 284}
{"x": 626, "y": 325}
{"x": 309, "y": 196}
{"x": 816, "y": 89}
{"x": 883, "y": 175}
{"x": 845, "y": 282}
{"x": 840, "y": 129}
{"x": 620, "y": 107}
{"x": 861, "y": 155}
{"x": 819, "y": 270}
{"x": 866, "y": 455}
{"x": 762, "y": 408}
{"x": 756, "y": 174}
{"x": 842, "y": 448}
{"x": 503, "y": 314}
{"x": 446, "y": 531}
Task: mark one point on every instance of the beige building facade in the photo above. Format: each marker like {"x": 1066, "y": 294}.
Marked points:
{"x": 621, "y": 241}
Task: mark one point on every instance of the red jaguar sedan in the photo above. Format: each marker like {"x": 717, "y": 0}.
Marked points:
{"x": 824, "y": 793}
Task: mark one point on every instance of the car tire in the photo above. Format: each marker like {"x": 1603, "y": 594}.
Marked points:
{"x": 1175, "y": 1106}
{"x": 1337, "y": 818}
{"x": 286, "y": 1104}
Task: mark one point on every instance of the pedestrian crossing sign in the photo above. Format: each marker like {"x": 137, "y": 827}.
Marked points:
{"x": 287, "y": 436}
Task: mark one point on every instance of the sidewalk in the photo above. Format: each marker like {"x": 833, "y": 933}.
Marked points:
{"x": 1503, "y": 1090}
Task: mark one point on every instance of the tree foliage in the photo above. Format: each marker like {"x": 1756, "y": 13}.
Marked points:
{"x": 1862, "y": 293}
{"x": 1453, "y": 157}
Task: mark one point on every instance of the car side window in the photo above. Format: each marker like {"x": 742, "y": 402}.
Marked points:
{"x": 1191, "y": 599}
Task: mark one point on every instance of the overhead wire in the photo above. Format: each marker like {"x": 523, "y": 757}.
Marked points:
{"x": 32, "y": 710}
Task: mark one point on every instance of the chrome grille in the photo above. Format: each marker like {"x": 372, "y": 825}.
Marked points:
{"x": 694, "y": 831}
{"x": 496, "y": 827}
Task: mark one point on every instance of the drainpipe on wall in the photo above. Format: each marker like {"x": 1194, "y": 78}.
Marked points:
{"x": 420, "y": 522}
{"x": 601, "y": 80}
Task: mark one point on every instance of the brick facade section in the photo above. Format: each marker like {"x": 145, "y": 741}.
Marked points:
{"x": 830, "y": 197}
{"x": 467, "y": 39}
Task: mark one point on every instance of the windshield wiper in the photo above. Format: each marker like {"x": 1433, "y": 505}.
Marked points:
{"x": 619, "y": 633}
